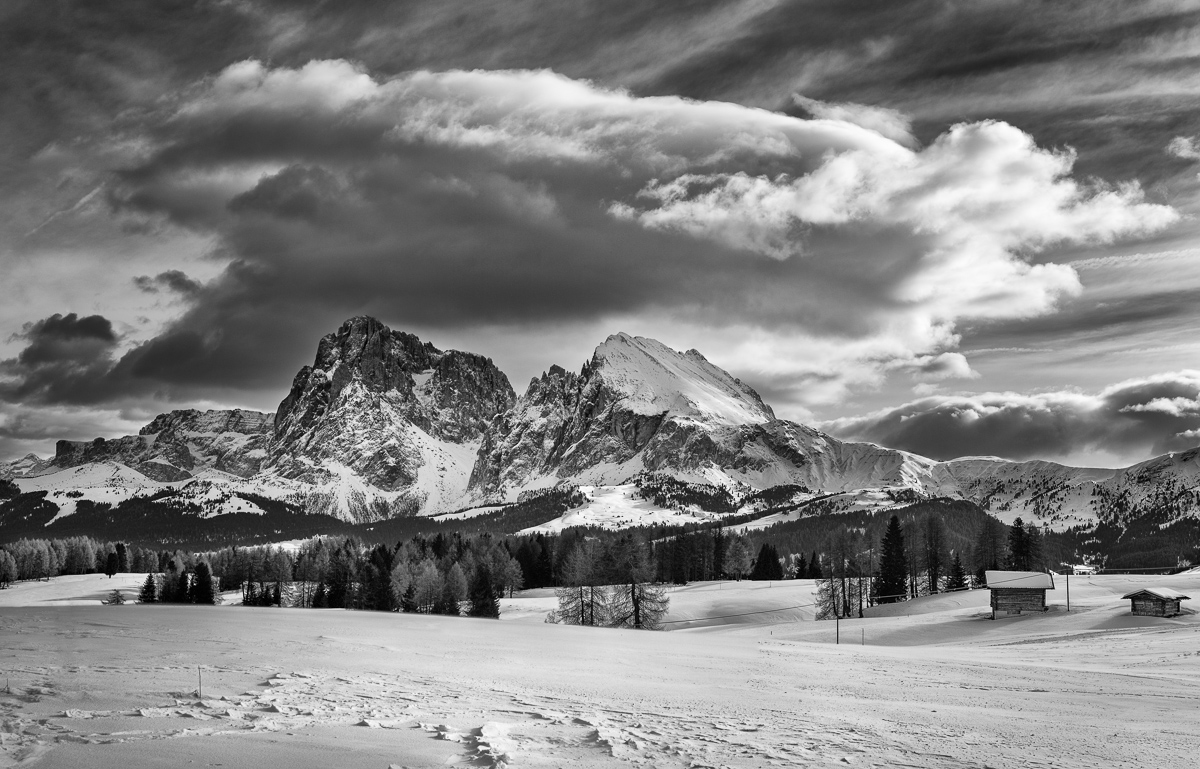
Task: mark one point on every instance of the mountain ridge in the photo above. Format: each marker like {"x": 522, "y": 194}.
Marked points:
{"x": 382, "y": 424}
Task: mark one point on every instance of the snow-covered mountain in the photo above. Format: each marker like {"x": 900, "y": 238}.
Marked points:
{"x": 177, "y": 444}
{"x": 638, "y": 406}
{"x": 382, "y": 424}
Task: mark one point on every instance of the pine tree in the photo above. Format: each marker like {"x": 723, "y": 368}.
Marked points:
{"x": 893, "y": 564}
{"x": 149, "y": 593}
{"x": 114, "y": 598}
{"x": 123, "y": 558}
{"x": 799, "y": 567}
{"x": 110, "y": 565}
{"x": 482, "y": 593}
{"x": 319, "y": 600}
{"x": 409, "y": 604}
{"x": 202, "y": 585}
{"x": 814, "y": 566}
{"x": 1018, "y": 547}
{"x": 989, "y": 548}
{"x": 766, "y": 565}
{"x": 1033, "y": 547}
{"x": 957, "y": 579}
{"x": 935, "y": 551}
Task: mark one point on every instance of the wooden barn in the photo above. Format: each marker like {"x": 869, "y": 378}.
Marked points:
{"x": 1016, "y": 592}
{"x": 1155, "y": 601}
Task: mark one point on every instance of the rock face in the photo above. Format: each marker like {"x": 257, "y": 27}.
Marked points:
{"x": 380, "y": 411}
{"x": 177, "y": 444}
{"x": 639, "y": 406}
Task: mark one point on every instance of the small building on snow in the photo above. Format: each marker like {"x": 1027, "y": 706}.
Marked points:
{"x": 1014, "y": 592}
{"x": 1155, "y": 601}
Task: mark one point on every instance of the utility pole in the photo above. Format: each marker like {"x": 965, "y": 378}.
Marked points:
{"x": 1068, "y": 576}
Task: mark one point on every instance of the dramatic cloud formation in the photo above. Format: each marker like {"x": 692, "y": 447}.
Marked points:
{"x": 1126, "y": 421}
{"x": 458, "y": 198}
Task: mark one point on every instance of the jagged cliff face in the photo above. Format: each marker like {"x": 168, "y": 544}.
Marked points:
{"x": 178, "y": 444}
{"x": 380, "y": 411}
{"x": 639, "y": 406}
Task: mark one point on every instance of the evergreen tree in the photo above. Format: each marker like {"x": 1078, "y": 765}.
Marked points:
{"x": 1034, "y": 547}
{"x": 409, "y": 604}
{"x": 766, "y": 565}
{"x": 482, "y": 593}
{"x": 814, "y": 566}
{"x": 957, "y": 579}
{"x": 110, "y": 565}
{"x": 319, "y": 599}
{"x": 114, "y": 598}
{"x": 123, "y": 564}
{"x": 149, "y": 593}
{"x": 202, "y": 585}
{"x": 935, "y": 551}
{"x": 893, "y": 564}
{"x": 989, "y": 548}
{"x": 799, "y": 567}
{"x": 1018, "y": 547}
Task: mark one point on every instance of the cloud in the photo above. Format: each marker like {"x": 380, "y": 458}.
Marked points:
{"x": 891, "y": 123}
{"x": 171, "y": 280}
{"x": 460, "y": 198}
{"x": 1186, "y": 147}
{"x": 1125, "y": 420}
{"x": 64, "y": 359}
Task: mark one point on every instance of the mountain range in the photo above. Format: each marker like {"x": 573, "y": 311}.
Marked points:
{"x": 383, "y": 425}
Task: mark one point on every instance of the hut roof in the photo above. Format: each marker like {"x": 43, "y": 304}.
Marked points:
{"x": 1022, "y": 579}
{"x": 1158, "y": 592}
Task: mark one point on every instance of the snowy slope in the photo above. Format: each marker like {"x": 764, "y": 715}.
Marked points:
{"x": 619, "y": 507}
{"x": 653, "y": 379}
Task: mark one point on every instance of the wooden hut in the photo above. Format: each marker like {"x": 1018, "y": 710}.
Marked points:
{"x": 1015, "y": 592}
{"x": 1155, "y": 601}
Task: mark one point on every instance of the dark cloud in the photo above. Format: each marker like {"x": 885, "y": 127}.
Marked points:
{"x": 1129, "y": 419}
{"x": 66, "y": 359}
{"x": 171, "y": 280}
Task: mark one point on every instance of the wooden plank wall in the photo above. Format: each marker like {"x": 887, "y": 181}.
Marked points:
{"x": 1015, "y": 600}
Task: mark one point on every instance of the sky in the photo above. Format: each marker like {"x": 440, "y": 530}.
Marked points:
{"x": 955, "y": 228}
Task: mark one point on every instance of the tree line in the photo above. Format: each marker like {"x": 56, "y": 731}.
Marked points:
{"x": 912, "y": 559}
{"x": 46, "y": 558}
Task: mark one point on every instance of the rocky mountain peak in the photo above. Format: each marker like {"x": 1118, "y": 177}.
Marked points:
{"x": 652, "y": 378}
{"x": 222, "y": 421}
{"x": 381, "y": 405}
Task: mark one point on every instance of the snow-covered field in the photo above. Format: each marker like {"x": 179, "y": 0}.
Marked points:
{"x": 936, "y": 684}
